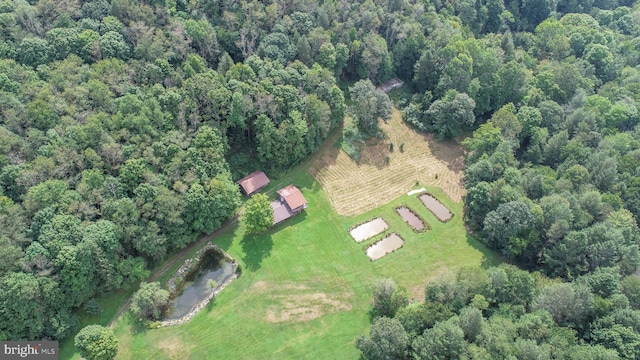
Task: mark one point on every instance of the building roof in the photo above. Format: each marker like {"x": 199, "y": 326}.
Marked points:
{"x": 390, "y": 85}
{"x": 253, "y": 182}
{"x": 292, "y": 196}
{"x": 280, "y": 212}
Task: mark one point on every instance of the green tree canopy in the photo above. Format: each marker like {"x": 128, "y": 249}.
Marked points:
{"x": 444, "y": 341}
{"x": 150, "y": 301}
{"x": 97, "y": 343}
{"x": 388, "y": 298}
{"x": 370, "y": 104}
{"x": 258, "y": 214}
{"x": 387, "y": 340}
{"x": 449, "y": 116}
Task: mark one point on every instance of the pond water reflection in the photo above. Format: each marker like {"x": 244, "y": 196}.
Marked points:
{"x": 437, "y": 208}
{"x": 411, "y": 218}
{"x": 213, "y": 268}
{"x": 385, "y": 246}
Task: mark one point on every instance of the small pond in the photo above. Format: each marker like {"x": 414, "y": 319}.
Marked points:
{"x": 213, "y": 267}
{"x": 368, "y": 229}
{"x": 436, "y": 207}
{"x": 411, "y": 218}
{"x": 384, "y": 246}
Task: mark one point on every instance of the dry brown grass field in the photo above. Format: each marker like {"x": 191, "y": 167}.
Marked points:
{"x": 382, "y": 175}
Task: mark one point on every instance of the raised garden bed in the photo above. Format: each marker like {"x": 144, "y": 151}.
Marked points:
{"x": 436, "y": 207}
{"x": 389, "y": 244}
{"x": 369, "y": 229}
{"x": 410, "y": 217}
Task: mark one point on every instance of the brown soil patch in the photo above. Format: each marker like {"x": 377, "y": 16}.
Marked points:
{"x": 174, "y": 348}
{"x": 305, "y": 307}
{"x": 261, "y": 287}
{"x": 354, "y": 188}
{"x": 293, "y": 302}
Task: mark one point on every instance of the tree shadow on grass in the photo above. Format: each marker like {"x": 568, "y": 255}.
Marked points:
{"x": 490, "y": 257}
{"x": 223, "y": 237}
{"x": 294, "y": 220}
{"x": 256, "y": 248}
{"x": 448, "y": 151}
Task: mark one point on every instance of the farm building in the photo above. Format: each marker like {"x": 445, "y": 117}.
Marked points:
{"x": 390, "y": 85}
{"x": 292, "y": 196}
{"x": 290, "y": 202}
{"x": 253, "y": 182}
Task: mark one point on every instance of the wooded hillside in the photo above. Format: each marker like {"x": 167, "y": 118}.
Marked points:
{"x": 123, "y": 125}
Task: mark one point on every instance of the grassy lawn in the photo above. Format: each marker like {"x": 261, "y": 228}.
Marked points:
{"x": 305, "y": 290}
{"x": 110, "y": 304}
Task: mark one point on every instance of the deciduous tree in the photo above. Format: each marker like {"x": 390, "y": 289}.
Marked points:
{"x": 451, "y": 115}
{"x": 507, "y": 227}
{"x": 444, "y": 341}
{"x": 150, "y": 301}
{"x": 387, "y": 340}
{"x": 370, "y": 104}
{"x": 97, "y": 342}
{"x": 569, "y": 304}
{"x": 388, "y": 298}
{"x": 258, "y": 214}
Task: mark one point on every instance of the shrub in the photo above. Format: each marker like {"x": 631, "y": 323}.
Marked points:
{"x": 150, "y": 301}
{"x": 93, "y": 307}
{"x": 96, "y": 342}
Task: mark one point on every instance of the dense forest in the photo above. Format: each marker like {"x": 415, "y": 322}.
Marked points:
{"x": 552, "y": 177}
{"x": 507, "y": 313}
{"x": 120, "y": 125}
{"x": 124, "y": 123}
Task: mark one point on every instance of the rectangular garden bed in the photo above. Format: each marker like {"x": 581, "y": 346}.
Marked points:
{"x": 369, "y": 229}
{"x": 387, "y": 245}
{"x": 411, "y": 218}
{"x": 436, "y": 207}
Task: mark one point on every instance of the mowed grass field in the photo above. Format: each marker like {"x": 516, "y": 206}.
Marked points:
{"x": 305, "y": 289}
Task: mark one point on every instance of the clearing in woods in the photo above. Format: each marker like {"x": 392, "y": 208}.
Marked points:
{"x": 305, "y": 290}
{"x": 354, "y": 188}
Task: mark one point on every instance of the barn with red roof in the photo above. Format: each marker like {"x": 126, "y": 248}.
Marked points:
{"x": 253, "y": 182}
{"x": 290, "y": 202}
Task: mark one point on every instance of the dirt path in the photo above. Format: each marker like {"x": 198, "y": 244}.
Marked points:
{"x": 174, "y": 259}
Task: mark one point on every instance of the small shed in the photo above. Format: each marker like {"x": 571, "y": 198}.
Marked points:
{"x": 253, "y": 182}
{"x": 390, "y": 85}
{"x": 292, "y": 196}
